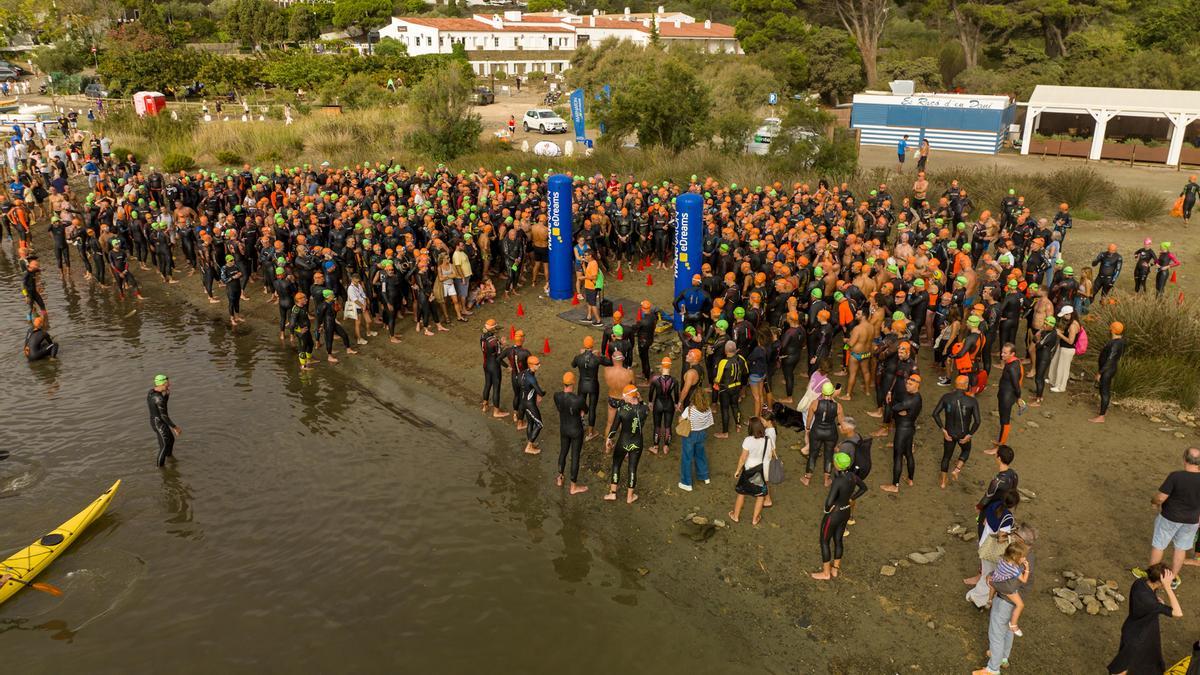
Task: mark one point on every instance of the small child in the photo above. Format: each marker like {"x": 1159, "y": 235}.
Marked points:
{"x": 486, "y": 293}
{"x": 1011, "y": 571}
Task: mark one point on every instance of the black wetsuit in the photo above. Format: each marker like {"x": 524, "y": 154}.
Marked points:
{"x": 161, "y": 424}
{"x": 489, "y": 344}
{"x": 845, "y": 487}
{"x": 1008, "y": 393}
{"x": 571, "y": 409}
{"x": 40, "y": 345}
{"x": 1110, "y": 359}
{"x": 627, "y": 430}
{"x": 644, "y": 334}
{"x": 823, "y": 434}
{"x": 958, "y": 415}
{"x": 302, "y": 327}
{"x": 1144, "y": 259}
{"x": 588, "y": 364}
{"x": 1106, "y": 276}
{"x": 1045, "y": 343}
{"x": 327, "y": 321}
{"x": 664, "y": 395}
{"x": 905, "y": 410}
{"x": 515, "y": 357}
{"x": 531, "y": 391}
{"x": 791, "y": 353}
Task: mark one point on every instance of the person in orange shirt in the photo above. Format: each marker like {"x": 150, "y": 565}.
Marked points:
{"x": 592, "y": 285}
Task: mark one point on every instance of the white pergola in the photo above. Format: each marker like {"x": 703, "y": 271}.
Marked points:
{"x": 1105, "y": 103}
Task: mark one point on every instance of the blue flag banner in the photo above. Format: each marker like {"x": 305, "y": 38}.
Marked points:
{"x": 562, "y": 266}
{"x": 576, "y": 100}
{"x": 689, "y": 232}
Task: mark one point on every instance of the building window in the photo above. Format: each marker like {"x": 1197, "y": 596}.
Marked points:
{"x": 495, "y": 41}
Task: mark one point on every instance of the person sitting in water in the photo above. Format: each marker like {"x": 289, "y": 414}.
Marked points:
{"x": 38, "y": 343}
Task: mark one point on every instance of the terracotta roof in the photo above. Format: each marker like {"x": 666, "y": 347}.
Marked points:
{"x": 666, "y": 29}
{"x": 471, "y": 25}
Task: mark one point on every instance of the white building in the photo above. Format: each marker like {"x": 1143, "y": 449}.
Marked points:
{"x": 517, "y": 43}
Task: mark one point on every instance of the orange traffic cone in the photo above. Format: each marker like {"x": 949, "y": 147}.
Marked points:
{"x": 512, "y": 332}
{"x": 546, "y": 346}
{"x": 641, "y": 265}
{"x": 649, "y": 280}
{"x": 639, "y": 318}
{"x": 621, "y": 308}
{"x": 1173, "y": 277}
{"x": 520, "y": 309}
{"x": 1179, "y": 300}
{"x": 620, "y": 275}
{"x": 574, "y": 299}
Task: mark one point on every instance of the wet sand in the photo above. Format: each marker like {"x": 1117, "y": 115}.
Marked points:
{"x": 748, "y": 588}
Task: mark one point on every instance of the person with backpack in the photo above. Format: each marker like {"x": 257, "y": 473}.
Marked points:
{"x": 1072, "y": 340}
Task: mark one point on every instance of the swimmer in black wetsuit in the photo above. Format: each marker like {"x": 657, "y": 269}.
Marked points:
{"x": 329, "y": 326}
{"x": 844, "y": 489}
{"x": 571, "y": 409}
{"x": 957, "y": 415}
{"x": 29, "y": 288}
{"x": 859, "y": 449}
{"x": 160, "y": 421}
{"x": 1008, "y": 393}
{"x": 38, "y": 344}
{"x": 823, "y": 415}
{"x": 588, "y": 363}
{"x": 905, "y": 411}
{"x": 491, "y": 345}
{"x": 1110, "y": 358}
{"x": 664, "y": 396}
{"x": 626, "y": 440}
{"x": 515, "y": 358}
{"x": 301, "y": 327}
{"x": 531, "y": 395}
{"x": 231, "y": 277}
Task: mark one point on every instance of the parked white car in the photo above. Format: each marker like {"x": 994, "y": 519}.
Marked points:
{"x": 543, "y": 120}
{"x": 760, "y": 142}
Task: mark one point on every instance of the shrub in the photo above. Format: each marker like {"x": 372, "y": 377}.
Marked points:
{"x": 1162, "y": 357}
{"x": 123, "y": 152}
{"x": 1079, "y": 186}
{"x": 1138, "y": 205}
{"x": 178, "y": 161}
{"x": 228, "y": 157}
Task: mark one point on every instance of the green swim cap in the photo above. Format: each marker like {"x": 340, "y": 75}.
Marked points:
{"x": 1034, "y": 287}
{"x": 816, "y": 293}
{"x": 827, "y": 389}
{"x": 1012, "y": 191}
{"x": 838, "y": 296}
{"x": 739, "y": 312}
{"x": 818, "y": 271}
{"x": 618, "y": 330}
{"x": 1012, "y": 283}
{"x": 690, "y": 330}
{"x": 897, "y": 315}
{"x": 160, "y": 380}
{"x": 841, "y": 461}
{"x": 1166, "y": 246}
{"x": 919, "y": 283}
{"x": 722, "y": 324}
{"x": 1051, "y": 321}
{"x": 961, "y": 279}
{"x": 278, "y": 271}
{"x": 961, "y": 226}
{"x": 228, "y": 258}
{"x": 1068, "y": 270}
{"x": 327, "y": 294}
{"x": 870, "y": 261}
{"x": 953, "y": 244}
{"x": 733, "y": 186}
{"x": 967, "y": 247}
{"x": 973, "y": 320}
{"x": 724, "y": 247}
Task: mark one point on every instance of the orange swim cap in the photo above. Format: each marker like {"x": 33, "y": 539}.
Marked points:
{"x": 588, "y": 342}
{"x": 962, "y": 382}
{"x": 533, "y": 361}
{"x": 490, "y": 324}
{"x": 1117, "y": 328}
{"x": 693, "y": 355}
{"x": 568, "y": 378}
{"x": 630, "y": 390}
{"x": 666, "y": 362}
{"x": 646, "y": 305}
{"x": 823, "y": 315}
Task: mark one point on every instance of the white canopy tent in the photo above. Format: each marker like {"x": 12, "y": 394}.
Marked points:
{"x": 1104, "y": 103}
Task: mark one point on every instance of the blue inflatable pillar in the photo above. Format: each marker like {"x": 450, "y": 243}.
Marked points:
{"x": 562, "y": 240}
{"x": 689, "y": 234}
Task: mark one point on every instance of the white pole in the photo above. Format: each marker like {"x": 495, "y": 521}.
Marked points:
{"x": 1101, "y": 118}
{"x": 1031, "y": 118}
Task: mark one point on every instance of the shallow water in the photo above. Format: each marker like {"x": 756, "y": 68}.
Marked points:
{"x": 310, "y": 523}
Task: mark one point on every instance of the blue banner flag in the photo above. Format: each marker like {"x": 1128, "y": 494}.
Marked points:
{"x": 576, "y": 100}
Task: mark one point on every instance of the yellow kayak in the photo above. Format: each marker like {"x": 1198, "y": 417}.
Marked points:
{"x": 29, "y": 562}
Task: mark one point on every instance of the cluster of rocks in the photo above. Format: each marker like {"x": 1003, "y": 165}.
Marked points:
{"x": 1167, "y": 417}
{"x": 699, "y": 528}
{"x": 922, "y": 556}
{"x": 1087, "y": 594}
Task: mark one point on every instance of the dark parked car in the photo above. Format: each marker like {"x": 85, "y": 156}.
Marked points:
{"x": 482, "y": 96}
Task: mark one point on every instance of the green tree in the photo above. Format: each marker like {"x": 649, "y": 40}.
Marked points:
{"x": 545, "y": 5}
{"x": 666, "y": 104}
{"x": 256, "y": 23}
{"x": 302, "y": 23}
{"x": 835, "y": 67}
{"x": 1167, "y": 25}
{"x": 67, "y": 56}
{"x": 364, "y": 14}
{"x": 447, "y": 125}
{"x": 390, "y": 47}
